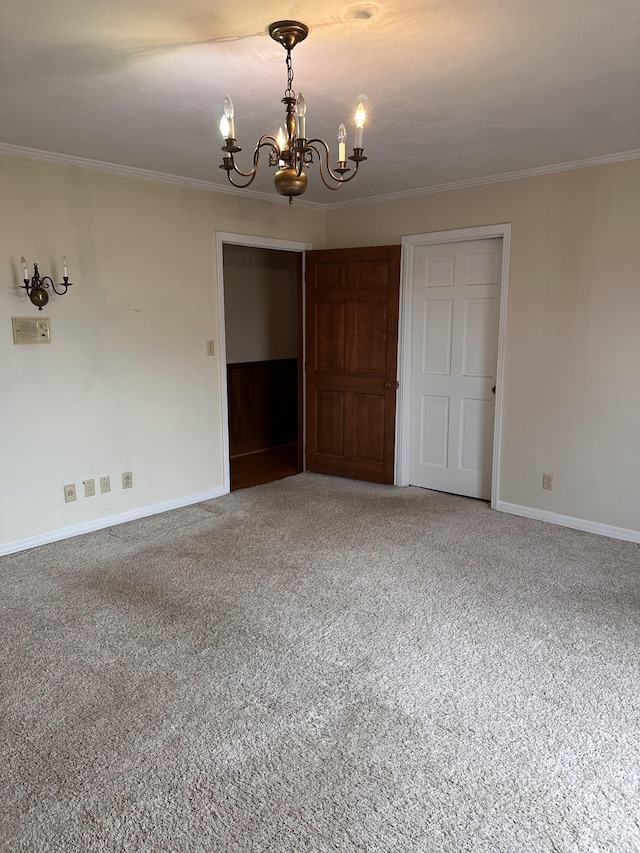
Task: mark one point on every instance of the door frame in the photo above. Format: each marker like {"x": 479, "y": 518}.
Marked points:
{"x": 405, "y": 366}
{"x": 256, "y": 242}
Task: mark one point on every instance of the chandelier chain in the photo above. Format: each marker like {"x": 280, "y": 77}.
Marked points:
{"x": 289, "y": 93}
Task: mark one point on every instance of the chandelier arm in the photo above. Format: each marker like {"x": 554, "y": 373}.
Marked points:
{"x": 267, "y": 139}
{"x": 339, "y": 179}
{"x": 263, "y": 142}
{"x": 236, "y": 184}
{"x": 66, "y": 284}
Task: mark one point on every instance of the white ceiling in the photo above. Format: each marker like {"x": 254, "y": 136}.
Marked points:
{"x": 455, "y": 89}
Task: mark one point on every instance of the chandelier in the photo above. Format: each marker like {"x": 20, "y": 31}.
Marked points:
{"x": 291, "y": 152}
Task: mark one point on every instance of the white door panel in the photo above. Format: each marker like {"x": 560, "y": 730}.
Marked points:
{"x": 479, "y": 338}
{"x": 434, "y": 431}
{"x": 456, "y": 298}
{"x": 437, "y": 325}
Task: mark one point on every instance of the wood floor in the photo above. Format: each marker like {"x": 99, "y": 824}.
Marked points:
{"x": 264, "y": 466}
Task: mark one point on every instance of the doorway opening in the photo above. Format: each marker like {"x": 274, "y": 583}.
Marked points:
{"x": 261, "y": 353}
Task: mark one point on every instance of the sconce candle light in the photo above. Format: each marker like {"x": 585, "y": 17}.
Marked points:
{"x": 37, "y": 286}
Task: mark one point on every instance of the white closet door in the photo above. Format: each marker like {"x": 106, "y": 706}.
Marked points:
{"x": 456, "y": 304}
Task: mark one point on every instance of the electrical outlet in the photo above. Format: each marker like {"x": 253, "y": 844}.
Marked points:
{"x": 69, "y": 492}
{"x": 547, "y": 482}
{"x": 89, "y": 488}
{"x": 105, "y": 484}
{"x": 127, "y": 480}
{"x": 211, "y": 348}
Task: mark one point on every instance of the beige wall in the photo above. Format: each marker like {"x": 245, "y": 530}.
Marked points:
{"x": 260, "y": 304}
{"x": 572, "y": 380}
{"x": 125, "y": 384}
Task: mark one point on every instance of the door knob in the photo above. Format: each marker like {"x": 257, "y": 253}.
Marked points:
{"x": 391, "y": 384}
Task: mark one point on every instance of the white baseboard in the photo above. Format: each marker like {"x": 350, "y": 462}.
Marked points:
{"x": 567, "y": 521}
{"x": 189, "y": 500}
{"x": 109, "y": 521}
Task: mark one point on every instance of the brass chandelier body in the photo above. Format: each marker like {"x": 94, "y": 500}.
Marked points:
{"x": 293, "y": 152}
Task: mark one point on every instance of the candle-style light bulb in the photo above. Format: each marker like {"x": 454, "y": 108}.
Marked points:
{"x": 25, "y": 269}
{"x": 342, "y": 143}
{"x": 65, "y": 271}
{"x": 301, "y": 111}
{"x": 229, "y": 113}
{"x": 281, "y": 141}
{"x": 224, "y": 127}
{"x": 360, "y": 120}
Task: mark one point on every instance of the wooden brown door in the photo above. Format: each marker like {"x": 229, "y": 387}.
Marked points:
{"x": 352, "y": 300}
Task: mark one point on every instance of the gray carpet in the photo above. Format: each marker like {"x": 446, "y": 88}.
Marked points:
{"x": 322, "y": 665}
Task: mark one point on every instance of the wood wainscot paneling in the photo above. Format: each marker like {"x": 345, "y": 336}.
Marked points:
{"x": 263, "y": 420}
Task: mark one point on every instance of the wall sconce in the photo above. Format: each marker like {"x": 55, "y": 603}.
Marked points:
{"x": 36, "y": 287}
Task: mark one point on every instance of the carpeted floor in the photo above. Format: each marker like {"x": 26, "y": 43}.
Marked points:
{"x": 322, "y": 665}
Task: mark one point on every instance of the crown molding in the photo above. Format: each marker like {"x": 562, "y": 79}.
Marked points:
{"x": 144, "y": 174}
{"x": 603, "y": 160}
{"x": 209, "y": 186}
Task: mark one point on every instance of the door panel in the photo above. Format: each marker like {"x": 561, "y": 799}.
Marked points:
{"x": 434, "y": 431}
{"x": 437, "y": 323}
{"x": 330, "y": 276}
{"x": 368, "y": 438}
{"x": 330, "y": 336}
{"x": 455, "y": 340}
{"x": 330, "y": 425}
{"x": 370, "y": 323}
{"x": 480, "y": 340}
{"x": 352, "y": 298}
{"x": 374, "y": 274}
